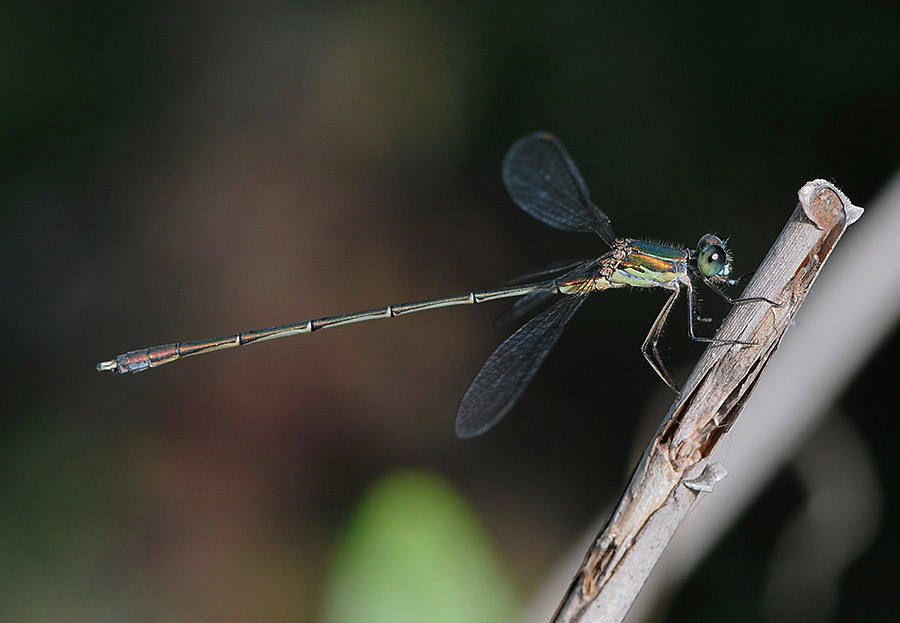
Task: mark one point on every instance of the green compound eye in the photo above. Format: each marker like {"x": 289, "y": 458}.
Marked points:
{"x": 711, "y": 260}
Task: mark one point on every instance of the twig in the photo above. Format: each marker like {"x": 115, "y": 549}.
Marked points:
{"x": 654, "y": 503}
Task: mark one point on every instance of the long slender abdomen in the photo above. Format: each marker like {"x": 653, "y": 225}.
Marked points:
{"x": 155, "y": 356}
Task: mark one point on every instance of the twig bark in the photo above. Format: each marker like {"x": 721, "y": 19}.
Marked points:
{"x": 673, "y": 469}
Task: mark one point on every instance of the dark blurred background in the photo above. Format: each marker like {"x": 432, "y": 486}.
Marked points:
{"x": 175, "y": 171}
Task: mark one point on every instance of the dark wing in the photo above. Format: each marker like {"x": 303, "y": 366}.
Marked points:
{"x": 508, "y": 371}
{"x": 556, "y": 268}
{"x": 524, "y": 306}
{"x": 542, "y": 179}
{"x": 529, "y": 302}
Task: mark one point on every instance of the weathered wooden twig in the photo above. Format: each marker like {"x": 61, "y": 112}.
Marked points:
{"x": 673, "y": 469}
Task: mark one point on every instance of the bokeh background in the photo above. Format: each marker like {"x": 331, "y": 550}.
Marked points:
{"x": 177, "y": 170}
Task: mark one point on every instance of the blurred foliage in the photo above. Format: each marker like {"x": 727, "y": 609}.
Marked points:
{"x": 413, "y": 551}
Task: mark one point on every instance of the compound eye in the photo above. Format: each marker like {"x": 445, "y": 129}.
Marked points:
{"x": 711, "y": 260}
{"x": 708, "y": 240}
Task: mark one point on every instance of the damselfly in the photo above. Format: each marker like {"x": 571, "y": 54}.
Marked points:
{"x": 542, "y": 180}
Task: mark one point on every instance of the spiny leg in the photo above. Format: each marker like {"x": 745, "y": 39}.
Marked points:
{"x": 708, "y": 340}
{"x": 703, "y": 319}
{"x": 733, "y": 281}
{"x": 733, "y": 301}
{"x": 651, "y": 354}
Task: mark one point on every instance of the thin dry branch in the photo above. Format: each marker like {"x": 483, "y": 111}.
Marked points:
{"x": 673, "y": 469}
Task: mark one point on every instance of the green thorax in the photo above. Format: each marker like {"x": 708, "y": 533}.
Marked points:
{"x": 648, "y": 265}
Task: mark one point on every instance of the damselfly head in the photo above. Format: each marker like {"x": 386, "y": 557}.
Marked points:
{"x": 712, "y": 257}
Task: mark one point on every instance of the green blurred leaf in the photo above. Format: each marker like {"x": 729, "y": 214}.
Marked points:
{"x": 414, "y": 551}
